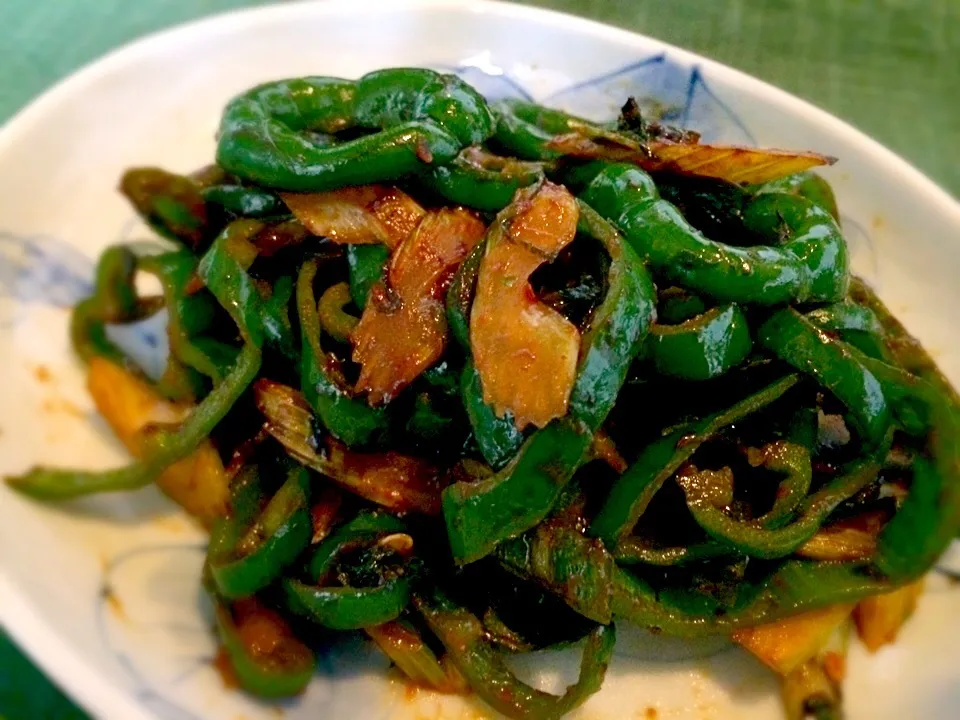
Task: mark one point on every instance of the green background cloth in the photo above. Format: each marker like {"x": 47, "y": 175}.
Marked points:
{"x": 890, "y": 67}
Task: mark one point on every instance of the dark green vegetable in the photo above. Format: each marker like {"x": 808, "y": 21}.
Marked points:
{"x": 805, "y": 262}
{"x": 281, "y": 671}
{"x": 702, "y": 347}
{"x": 346, "y": 417}
{"x": 795, "y": 340}
{"x": 463, "y": 636}
{"x": 423, "y": 118}
{"x": 632, "y": 492}
{"x": 367, "y": 265}
{"x": 171, "y": 204}
{"x": 245, "y": 557}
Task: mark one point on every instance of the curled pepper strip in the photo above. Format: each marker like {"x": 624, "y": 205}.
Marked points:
{"x": 423, "y": 118}
{"x": 794, "y": 339}
{"x": 755, "y": 540}
{"x": 856, "y": 324}
{"x": 114, "y": 300}
{"x": 569, "y": 564}
{"x": 616, "y": 327}
{"x": 632, "y": 492}
{"x": 171, "y": 204}
{"x": 244, "y": 201}
{"x": 265, "y": 657}
{"x": 481, "y": 180}
{"x": 347, "y": 418}
{"x": 463, "y": 635}
{"x": 807, "y": 263}
{"x": 223, "y": 269}
{"x": 795, "y": 585}
{"x": 792, "y": 459}
{"x": 189, "y": 315}
{"x": 51, "y": 484}
{"x": 807, "y": 184}
{"x": 703, "y": 347}
{"x": 245, "y": 558}
{"x": 346, "y": 607}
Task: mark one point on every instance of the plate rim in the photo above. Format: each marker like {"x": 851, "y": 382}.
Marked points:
{"x": 29, "y": 630}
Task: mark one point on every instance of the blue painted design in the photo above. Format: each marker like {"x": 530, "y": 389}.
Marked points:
{"x": 43, "y": 270}
{"x": 497, "y": 85}
{"x": 666, "y": 90}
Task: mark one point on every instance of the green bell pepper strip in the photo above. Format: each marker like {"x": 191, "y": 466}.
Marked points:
{"x": 479, "y": 515}
{"x": 460, "y": 295}
{"x": 904, "y": 350}
{"x": 283, "y": 673}
{"x": 223, "y": 269}
{"x": 334, "y": 319}
{"x": 347, "y": 418}
{"x": 462, "y": 634}
{"x": 632, "y": 551}
{"x": 856, "y": 324}
{"x": 223, "y": 278}
{"x": 481, "y": 180}
{"x": 367, "y": 264}
{"x": 795, "y": 340}
{"x": 525, "y": 129}
{"x": 265, "y": 548}
{"x": 497, "y": 436}
{"x": 632, "y": 492}
{"x": 806, "y": 262}
{"x": 246, "y": 202}
{"x": 795, "y": 585}
{"x": 51, "y": 484}
{"x": 114, "y": 300}
{"x": 422, "y": 117}
{"x": 364, "y": 528}
{"x": 189, "y": 315}
{"x": 617, "y": 326}
{"x": 676, "y": 305}
{"x": 793, "y": 460}
{"x": 703, "y": 347}
{"x": 349, "y": 608}
{"x": 171, "y": 204}
{"x": 755, "y": 540}
{"x": 806, "y": 184}
{"x": 929, "y": 518}
{"x": 569, "y": 564}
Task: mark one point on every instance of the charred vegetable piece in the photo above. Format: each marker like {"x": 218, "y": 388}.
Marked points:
{"x": 513, "y": 335}
{"x": 403, "y": 329}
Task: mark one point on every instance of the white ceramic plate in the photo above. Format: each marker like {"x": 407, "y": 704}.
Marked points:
{"x": 104, "y": 594}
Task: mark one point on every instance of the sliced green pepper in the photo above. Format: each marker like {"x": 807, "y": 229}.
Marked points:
{"x": 283, "y": 669}
{"x": 569, "y": 564}
{"x": 481, "y": 180}
{"x": 794, "y": 339}
{"x": 703, "y": 347}
{"x": 367, "y": 265}
{"x": 344, "y": 607}
{"x": 462, "y": 634}
{"x": 632, "y": 492}
{"x": 348, "y": 418}
{"x": 264, "y": 549}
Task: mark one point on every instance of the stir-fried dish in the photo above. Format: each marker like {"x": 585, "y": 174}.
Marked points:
{"x": 483, "y": 379}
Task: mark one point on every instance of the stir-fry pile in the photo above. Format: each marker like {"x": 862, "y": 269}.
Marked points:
{"x": 480, "y": 380}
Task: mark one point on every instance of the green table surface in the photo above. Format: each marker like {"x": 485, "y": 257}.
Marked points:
{"x": 890, "y": 67}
